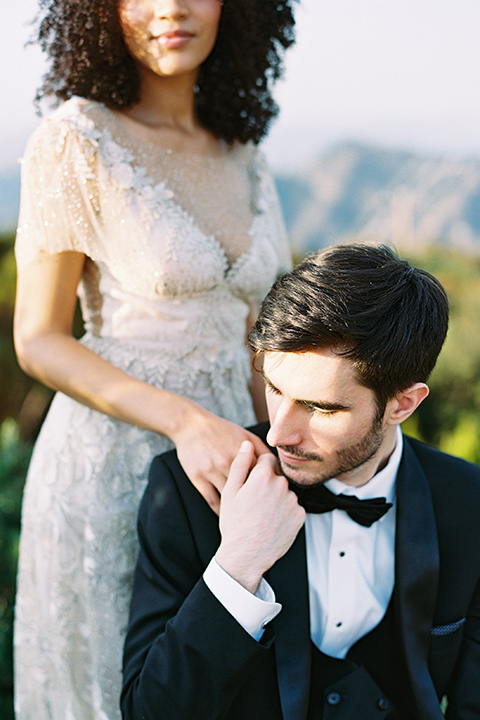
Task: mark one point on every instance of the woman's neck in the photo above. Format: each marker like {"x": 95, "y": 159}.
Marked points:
{"x": 166, "y": 114}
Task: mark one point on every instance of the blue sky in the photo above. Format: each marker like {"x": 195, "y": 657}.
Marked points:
{"x": 402, "y": 73}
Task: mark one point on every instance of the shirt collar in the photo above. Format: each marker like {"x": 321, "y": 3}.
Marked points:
{"x": 382, "y": 484}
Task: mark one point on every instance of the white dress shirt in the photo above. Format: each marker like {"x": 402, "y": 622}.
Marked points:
{"x": 351, "y": 571}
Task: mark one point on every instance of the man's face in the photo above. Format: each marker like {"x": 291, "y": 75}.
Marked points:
{"x": 324, "y": 424}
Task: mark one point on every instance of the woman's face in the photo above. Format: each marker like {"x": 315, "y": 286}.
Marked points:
{"x": 169, "y": 37}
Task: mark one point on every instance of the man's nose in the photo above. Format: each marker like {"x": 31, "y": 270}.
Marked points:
{"x": 285, "y": 425}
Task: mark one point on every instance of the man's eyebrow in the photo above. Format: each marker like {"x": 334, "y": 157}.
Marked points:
{"x": 324, "y": 405}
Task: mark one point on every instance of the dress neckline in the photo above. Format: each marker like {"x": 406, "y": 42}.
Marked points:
{"x": 124, "y": 129}
{"x": 128, "y": 138}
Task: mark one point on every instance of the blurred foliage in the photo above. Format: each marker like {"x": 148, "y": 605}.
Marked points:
{"x": 449, "y": 418}
{"x": 20, "y": 397}
{"x": 14, "y": 457}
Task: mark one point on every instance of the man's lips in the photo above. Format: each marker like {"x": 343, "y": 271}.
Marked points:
{"x": 290, "y": 459}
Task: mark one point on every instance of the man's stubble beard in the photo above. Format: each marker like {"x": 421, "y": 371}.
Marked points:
{"x": 348, "y": 459}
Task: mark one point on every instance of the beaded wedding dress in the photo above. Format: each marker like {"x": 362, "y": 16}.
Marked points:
{"x": 177, "y": 246}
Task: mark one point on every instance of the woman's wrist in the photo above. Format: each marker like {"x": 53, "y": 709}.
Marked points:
{"x": 179, "y": 417}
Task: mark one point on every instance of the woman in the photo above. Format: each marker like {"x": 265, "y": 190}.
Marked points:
{"x": 146, "y": 192}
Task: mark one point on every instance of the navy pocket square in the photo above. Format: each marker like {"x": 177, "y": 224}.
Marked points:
{"x": 448, "y": 629}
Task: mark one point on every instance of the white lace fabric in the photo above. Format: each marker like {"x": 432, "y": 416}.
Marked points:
{"x": 177, "y": 247}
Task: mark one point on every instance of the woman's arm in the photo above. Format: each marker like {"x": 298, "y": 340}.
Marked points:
{"x": 46, "y": 350}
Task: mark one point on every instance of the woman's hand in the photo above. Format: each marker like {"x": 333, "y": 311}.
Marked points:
{"x": 46, "y": 297}
{"x": 206, "y": 447}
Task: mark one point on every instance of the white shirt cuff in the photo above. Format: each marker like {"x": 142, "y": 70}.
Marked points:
{"x": 252, "y": 612}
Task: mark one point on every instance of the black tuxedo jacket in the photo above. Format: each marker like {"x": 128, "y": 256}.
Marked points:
{"x": 186, "y": 658}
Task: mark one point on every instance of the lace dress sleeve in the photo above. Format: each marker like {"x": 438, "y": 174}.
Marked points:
{"x": 58, "y": 209}
{"x": 271, "y": 204}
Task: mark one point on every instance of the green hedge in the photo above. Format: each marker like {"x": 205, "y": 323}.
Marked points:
{"x": 14, "y": 457}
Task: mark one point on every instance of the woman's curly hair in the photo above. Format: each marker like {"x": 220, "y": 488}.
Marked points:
{"x": 88, "y": 57}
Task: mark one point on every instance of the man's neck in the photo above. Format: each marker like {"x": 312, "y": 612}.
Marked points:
{"x": 363, "y": 474}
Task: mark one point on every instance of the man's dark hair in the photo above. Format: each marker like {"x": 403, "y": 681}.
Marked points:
{"x": 365, "y": 303}
{"x": 88, "y": 57}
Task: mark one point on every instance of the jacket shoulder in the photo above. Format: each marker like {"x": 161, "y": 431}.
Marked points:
{"x": 454, "y": 486}
{"x": 441, "y": 463}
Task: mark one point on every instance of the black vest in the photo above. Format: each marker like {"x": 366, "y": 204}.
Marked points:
{"x": 371, "y": 683}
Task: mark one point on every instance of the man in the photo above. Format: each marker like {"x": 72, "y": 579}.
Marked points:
{"x": 316, "y": 604}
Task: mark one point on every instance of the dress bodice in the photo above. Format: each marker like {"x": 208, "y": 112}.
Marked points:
{"x": 177, "y": 244}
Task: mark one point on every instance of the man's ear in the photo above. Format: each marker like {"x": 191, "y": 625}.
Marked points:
{"x": 405, "y": 403}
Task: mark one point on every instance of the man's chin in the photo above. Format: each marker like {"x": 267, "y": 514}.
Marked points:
{"x": 300, "y": 478}
{"x": 306, "y": 485}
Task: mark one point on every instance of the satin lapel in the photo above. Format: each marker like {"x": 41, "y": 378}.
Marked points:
{"x": 288, "y": 578}
{"x": 417, "y": 566}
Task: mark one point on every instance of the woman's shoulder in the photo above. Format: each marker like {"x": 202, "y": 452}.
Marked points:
{"x": 247, "y": 151}
{"x": 253, "y": 157}
{"x": 75, "y": 119}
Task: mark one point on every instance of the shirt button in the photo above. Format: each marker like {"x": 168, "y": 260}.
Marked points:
{"x": 382, "y": 704}
{"x": 333, "y": 698}
{"x": 342, "y": 554}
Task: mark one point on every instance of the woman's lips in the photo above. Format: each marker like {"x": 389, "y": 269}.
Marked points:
{"x": 174, "y": 40}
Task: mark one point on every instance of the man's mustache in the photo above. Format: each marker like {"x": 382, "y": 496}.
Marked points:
{"x": 299, "y": 453}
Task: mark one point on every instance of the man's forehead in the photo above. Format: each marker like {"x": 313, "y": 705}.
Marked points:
{"x": 309, "y": 373}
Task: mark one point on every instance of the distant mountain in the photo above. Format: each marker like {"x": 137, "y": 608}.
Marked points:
{"x": 366, "y": 193}
{"x": 363, "y": 193}
{"x": 9, "y": 198}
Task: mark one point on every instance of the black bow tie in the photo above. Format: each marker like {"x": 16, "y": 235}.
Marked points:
{"x": 319, "y": 499}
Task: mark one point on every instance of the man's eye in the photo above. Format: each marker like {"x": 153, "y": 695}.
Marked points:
{"x": 319, "y": 410}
